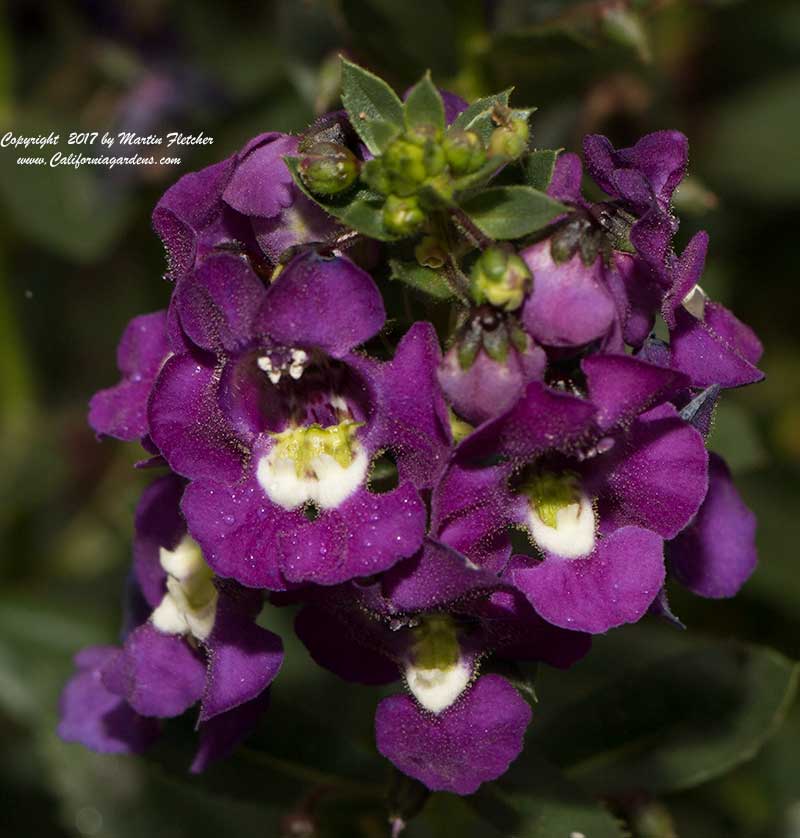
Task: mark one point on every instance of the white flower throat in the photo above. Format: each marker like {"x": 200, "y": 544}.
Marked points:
{"x": 561, "y": 518}
{"x": 435, "y": 671}
{"x": 189, "y": 607}
{"x": 324, "y": 466}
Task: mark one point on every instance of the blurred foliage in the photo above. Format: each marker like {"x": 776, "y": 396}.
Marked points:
{"x": 78, "y": 259}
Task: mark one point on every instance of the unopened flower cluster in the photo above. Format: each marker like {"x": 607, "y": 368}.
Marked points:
{"x": 313, "y": 457}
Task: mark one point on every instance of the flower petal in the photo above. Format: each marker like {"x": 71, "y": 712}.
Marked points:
{"x": 159, "y": 523}
{"x": 218, "y": 303}
{"x": 261, "y": 185}
{"x": 238, "y": 529}
{"x": 569, "y": 304}
{"x": 715, "y": 555}
{"x": 243, "y": 659}
{"x": 473, "y": 741}
{"x": 121, "y": 411}
{"x": 335, "y": 645}
{"x": 97, "y": 718}
{"x": 186, "y": 422}
{"x": 367, "y": 534}
{"x": 326, "y": 303}
{"x": 656, "y": 476}
{"x": 414, "y": 417}
{"x": 188, "y": 208}
{"x": 621, "y": 386}
{"x": 157, "y": 674}
{"x": 612, "y": 586}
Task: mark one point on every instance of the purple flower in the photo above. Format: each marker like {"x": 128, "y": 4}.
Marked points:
{"x": 121, "y": 411}
{"x": 434, "y": 620}
{"x": 273, "y": 412}
{"x": 245, "y": 203}
{"x": 643, "y": 179}
{"x": 199, "y": 644}
{"x": 587, "y": 287}
{"x": 97, "y": 718}
{"x": 597, "y": 484}
{"x": 488, "y": 366}
{"x": 715, "y": 555}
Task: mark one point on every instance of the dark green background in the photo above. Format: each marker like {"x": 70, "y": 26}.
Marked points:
{"x": 78, "y": 259}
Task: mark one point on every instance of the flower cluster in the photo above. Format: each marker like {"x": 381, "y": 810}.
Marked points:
{"x": 432, "y": 515}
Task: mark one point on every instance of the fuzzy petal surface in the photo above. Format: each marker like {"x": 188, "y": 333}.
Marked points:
{"x": 157, "y": 674}
{"x": 473, "y": 741}
{"x": 243, "y": 659}
{"x": 97, "y": 718}
{"x": 121, "y": 411}
{"x": 327, "y": 303}
{"x": 716, "y": 554}
{"x": 615, "y": 584}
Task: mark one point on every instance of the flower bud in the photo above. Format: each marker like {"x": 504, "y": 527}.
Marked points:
{"x": 464, "y": 152}
{"x": 328, "y": 168}
{"x": 501, "y": 278}
{"x": 509, "y": 140}
{"x": 403, "y": 216}
{"x": 411, "y": 160}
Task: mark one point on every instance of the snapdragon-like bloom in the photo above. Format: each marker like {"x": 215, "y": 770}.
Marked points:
{"x": 377, "y": 483}
{"x": 247, "y": 203}
{"x": 597, "y": 483}
{"x": 436, "y": 621}
{"x": 199, "y": 643}
{"x": 276, "y": 421}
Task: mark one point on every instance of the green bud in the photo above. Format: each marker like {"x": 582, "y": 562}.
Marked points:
{"x": 509, "y": 140}
{"x": 436, "y": 192}
{"x": 590, "y": 247}
{"x": 328, "y": 168}
{"x": 402, "y": 215}
{"x": 404, "y": 164}
{"x": 375, "y": 176}
{"x": 464, "y": 152}
{"x": 409, "y": 162}
{"x": 501, "y": 278}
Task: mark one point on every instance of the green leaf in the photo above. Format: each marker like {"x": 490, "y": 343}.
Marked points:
{"x": 508, "y": 212}
{"x": 384, "y": 132}
{"x": 362, "y": 210}
{"x": 421, "y": 278}
{"x": 478, "y": 116}
{"x": 538, "y": 166}
{"x": 486, "y": 172}
{"x": 533, "y": 800}
{"x": 673, "y": 724}
{"x": 367, "y": 98}
{"x": 424, "y": 104}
